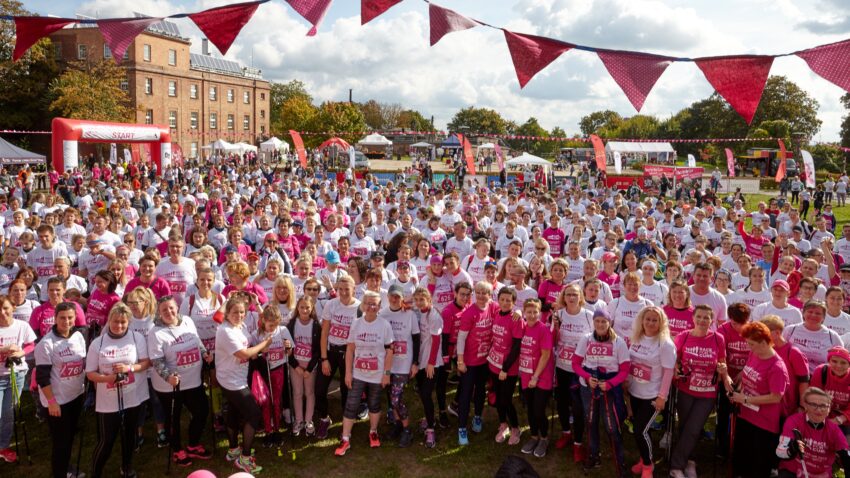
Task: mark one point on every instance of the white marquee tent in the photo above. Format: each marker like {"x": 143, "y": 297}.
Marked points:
{"x": 274, "y": 144}
{"x": 375, "y": 139}
{"x": 647, "y": 151}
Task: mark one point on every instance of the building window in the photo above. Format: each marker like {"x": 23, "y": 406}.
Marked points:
{"x": 172, "y": 88}
{"x": 148, "y": 116}
{"x": 172, "y": 57}
{"x": 230, "y": 122}
{"x": 246, "y": 122}
{"x": 193, "y": 92}
{"x": 124, "y": 85}
{"x": 172, "y": 119}
{"x": 146, "y": 52}
{"x": 230, "y": 96}
{"x": 193, "y": 150}
{"x": 262, "y": 96}
{"x": 246, "y": 97}
{"x": 107, "y": 53}
{"x": 213, "y": 93}
{"x": 262, "y": 114}
{"x": 193, "y": 120}
{"x": 57, "y": 49}
{"x": 82, "y": 52}
{"x": 213, "y": 121}
{"x": 262, "y": 129}
{"x": 148, "y": 86}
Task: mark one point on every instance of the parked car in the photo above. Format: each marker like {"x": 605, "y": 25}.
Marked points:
{"x": 360, "y": 160}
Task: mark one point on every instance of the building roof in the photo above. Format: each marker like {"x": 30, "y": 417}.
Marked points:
{"x": 220, "y": 65}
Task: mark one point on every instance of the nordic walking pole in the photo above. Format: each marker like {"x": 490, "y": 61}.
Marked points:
{"x": 119, "y": 381}
{"x": 610, "y": 429}
{"x": 274, "y": 419}
{"x": 17, "y": 408}
{"x": 799, "y": 437}
{"x": 212, "y": 411}
{"x": 174, "y": 391}
{"x": 80, "y": 430}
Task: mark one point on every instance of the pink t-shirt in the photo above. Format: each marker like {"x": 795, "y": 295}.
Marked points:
{"x": 505, "y": 330}
{"x": 555, "y": 237}
{"x": 837, "y": 387}
{"x": 44, "y": 316}
{"x": 680, "y": 320}
{"x": 699, "y": 357}
{"x": 797, "y": 366}
{"x": 99, "y": 306}
{"x": 763, "y": 377}
{"x": 821, "y": 446}
{"x": 451, "y": 323}
{"x": 537, "y": 338}
{"x": 479, "y": 324}
{"x": 613, "y": 281}
{"x": 737, "y": 350}
{"x": 159, "y": 286}
{"x": 549, "y": 291}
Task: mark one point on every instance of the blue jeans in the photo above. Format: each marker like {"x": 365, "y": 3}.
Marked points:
{"x": 610, "y": 412}
{"x": 7, "y": 416}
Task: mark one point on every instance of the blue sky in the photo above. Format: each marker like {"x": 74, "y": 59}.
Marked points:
{"x": 390, "y": 60}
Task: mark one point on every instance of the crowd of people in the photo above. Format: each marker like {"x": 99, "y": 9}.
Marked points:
{"x": 242, "y": 293}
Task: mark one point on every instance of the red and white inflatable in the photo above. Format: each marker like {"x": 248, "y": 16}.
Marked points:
{"x": 67, "y": 133}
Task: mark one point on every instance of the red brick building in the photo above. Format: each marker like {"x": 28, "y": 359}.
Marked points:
{"x": 201, "y": 97}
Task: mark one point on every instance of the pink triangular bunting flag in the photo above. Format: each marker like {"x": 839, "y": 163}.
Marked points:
{"x": 369, "y": 9}
{"x": 445, "y": 21}
{"x": 119, "y": 33}
{"x": 738, "y": 79}
{"x": 223, "y": 24}
{"x": 531, "y": 54}
{"x": 832, "y": 62}
{"x": 636, "y": 73}
{"x": 312, "y": 10}
{"x": 29, "y": 30}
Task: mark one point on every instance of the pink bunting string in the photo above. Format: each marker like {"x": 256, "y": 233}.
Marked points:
{"x": 312, "y": 10}
{"x": 223, "y": 24}
{"x": 531, "y": 53}
{"x": 370, "y": 9}
{"x": 636, "y": 73}
{"x": 29, "y": 30}
{"x": 738, "y": 79}
{"x": 832, "y": 62}
{"x": 444, "y": 21}
{"x": 119, "y": 33}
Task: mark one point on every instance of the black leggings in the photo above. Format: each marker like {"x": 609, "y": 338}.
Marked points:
{"x": 754, "y": 454}
{"x": 62, "y": 431}
{"x": 472, "y": 387}
{"x": 568, "y": 399}
{"x": 724, "y": 409}
{"x": 535, "y": 406}
{"x": 425, "y": 388}
{"x": 505, "y": 399}
{"x": 109, "y": 427}
{"x": 196, "y": 402}
{"x": 441, "y": 385}
{"x": 336, "y": 359}
{"x": 643, "y": 414}
{"x": 242, "y": 410}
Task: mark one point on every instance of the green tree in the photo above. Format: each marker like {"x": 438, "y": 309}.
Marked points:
{"x": 281, "y": 93}
{"x": 296, "y": 113}
{"x": 534, "y": 146}
{"x": 784, "y": 100}
{"x": 414, "y": 121}
{"x": 636, "y": 127}
{"x": 597, "y": 120}
{"x": 24, "y": 89}
{"x": 338, "y": 118}
{"x": 91, "y": 90}
{"x": 845, "y": 122}
{"x": 478, "y": 120}
{"x": 372, "y": 114}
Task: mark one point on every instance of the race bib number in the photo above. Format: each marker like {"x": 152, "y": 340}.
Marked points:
{"x": 178, "y": 286}
{"x": 339, "y": 332}
{"x": 303, "y": 352}
{"x": 400, "y": 348}
{"x": 700, "y": 382}
{"x": 641, "y": 373}
{"x": 600, "y": 349}
{"x": 525, "y": 364}
{"x": 130, "y": 380}
{"x": 275, "y": 355}
{"x": 188, "y": 358}
{"x": 496, "y": 358}
{"x": 366, "y": 364}
{"x": 209, "y": 344}
{"x": 71, "y": 369}
{"x": 567, "y": 353}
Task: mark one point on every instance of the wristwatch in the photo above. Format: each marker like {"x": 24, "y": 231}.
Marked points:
{"x": 387, "y": 373}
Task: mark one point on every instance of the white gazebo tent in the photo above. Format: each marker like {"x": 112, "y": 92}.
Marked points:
{"x": 526, "y": 159}
{"x": 421, "y": 145}
{"x": 274, "y": 144}
{"x": 220, "y": 145}
{"x": 649, "y": 151}
{"x": 245, "y": 147}
{"x": 375, "y": 139}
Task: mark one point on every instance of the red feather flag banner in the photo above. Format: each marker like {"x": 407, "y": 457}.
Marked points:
{"x": 531, "y": 54}
{"x": 444, "y": 21}
{"x": 29, "y": 30}
{"x": 312, "y": 10}
{"x": 223, "y": 24}
{"x": 119, "y": 33}
{"x": 636, "y": 73}
{"x": 467, "y": 153}
{"x": 299, "y": 147}
{"x": 738, "y": 79}
{"x": 599, "y": 151}
{"x": 730, "y": 162}
{"x": 831, "y": 62}
{"x": 369, "y": 9}
{"x": 781, "y": 171}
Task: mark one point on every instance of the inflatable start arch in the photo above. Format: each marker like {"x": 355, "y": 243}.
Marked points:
{"x": 67, "y": 133}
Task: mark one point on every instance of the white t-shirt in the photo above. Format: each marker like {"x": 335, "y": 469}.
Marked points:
{"x": 624, "y": 312}
{"x": 716, "y": 301}
{"x": 655, "y": 293}
{"x": 813, "y": 344}
{"x": 231, "y": 372}
{"x": 276, "y": 354}
{"x": 66, "y": 358}
{"x": 178, "y": 276}
{"x": 201, "y": 311}
{"x": 571, "y": 329}
{"x": 790, "y": 314}
{"x": 42, "y": 261}
{"x": 106, "y": 351}
{"x": 65, "y": 234}
{"x": 604, "y": 357}
{"x": 649, "y": 357}
{"x": 404, "y": 325}
{"x": 370, "y": 340}
{"x": 749, "y": 297}
{"x": 180, "y": 347}
{"x": 840, "y": 324}
{"x": 341, "y": 317}
{"x": 430, "y": 329}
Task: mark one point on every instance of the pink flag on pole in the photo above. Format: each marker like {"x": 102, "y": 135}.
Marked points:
{"x": 445, "y": 21}
{"x": 312, "y": 10}
{"x": 299, "y": 147}
{"x": 599, "y": 152}
{"x": 499, "y": 156}
{"x": 730, "y": 162}
{"x": 369, "y": 9}
{"x": 223, "y": 24}
{"x": 29, "y": 30}
{"x": 531, "y": 53}
{"x": 467, "y": 153}
{"x": 119, "y": 33}
{"x": 831, "y": 62}
{"x": 636, "y": 73}
{"x": 738, "y": 79}
{"x": 781, "y": 171}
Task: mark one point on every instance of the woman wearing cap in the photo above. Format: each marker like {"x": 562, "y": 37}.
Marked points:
{"x": 405, "y": 347}
{"x": 650, "y": 289}
{"x": 550, "y": 289}
{"x": 601, "y": 360}
{"x": 624, "y": 309}
{"x": 811, "y": 336}
{"x": 758, "y": 392}
{"x": 652, "y": 357}
{"x": 833, "y": 378}
{"x": 701, "y": 365}
{"x": 609, "y": 275}
{"x": 779, "y": 305}
{"x": 504, "y": 365}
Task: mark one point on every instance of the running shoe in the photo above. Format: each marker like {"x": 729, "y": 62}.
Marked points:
{"x": 541, "y": 448}
{"x": 129, "y": 474}
{"x": 363, "y": 412}
{"x": 515, "y": 434}
{"x": 395, "y": 433}
{"x": 181, "y": 458}
{"x": 73, "y": 474}
{"x": 310, "y": 429}
{"x": 529, "y": 446}
{"x": 8, "y": 455}
{"x": 374, "y": 440}
{"x": 477, "y": 424}
{"x": 430, "y": 439}
{"x": 343, "y": 447}
{"x": 665, "y": 441}
{"x": 444, "y": 420}
{"x": 691, "y": 469}
{"x": 268, "y": 440}
{"x": 199, "y": 452}
{"x": 233, "y": 454}
{"x": 462, "y": 437}
{"x": 161, "y": 439}
{"x": 452, "y": 409}
{"x": 297, "y": 429}
{"x": 578, "y": 453}
{"x": 248, "y": 464}
{"x": 322, "y": 430}
{"x": 593, "y": 462}
{"x": 647, "y": 471}
{"x": 566, "y": 439}
{"x": 406, "y": 438}
{"x": 503, "y": 432}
